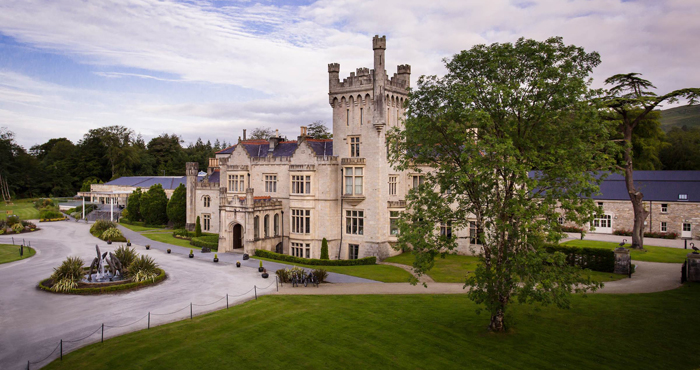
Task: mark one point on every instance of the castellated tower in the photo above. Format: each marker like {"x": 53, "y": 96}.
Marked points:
{"x": 192, "y": 169}
{"x": 365, "y": 105}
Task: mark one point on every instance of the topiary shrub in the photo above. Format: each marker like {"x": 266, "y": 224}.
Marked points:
{"x": 197, "y": 228}
{"x": 143, "y": 268}
{"x": 67, "y": 276}
{"x": 209, "y": 241}
{"x": 324, "y": 249}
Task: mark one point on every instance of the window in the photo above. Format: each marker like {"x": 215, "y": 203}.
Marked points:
{"x": 354, "y": 222}
{"x": 266, "y": 226}
{"x": 664, "y": 208}
{"x": 388, "y": 116}
{"x": 277, "y": 224}
{"x": 361, "y": 116}
{"x": 418, "y": 180}
{"x": 236, "y": 183}
{"x": 686, "y": 227}
{"x": 473, "y": 233}
{"x": 394, "y": 222}
{"x": 353, "y": 251}
{"x": 302, "y": 250}
{"x": 354, "y": 146}
{"x": 207, "y": 201}
{"x": 347, "y": 117}
{"x": 560, "y": 220}
{"x": 664, "y": 228}
{"x": 353, "y": 180}
{"x": 270, "y": 183}
{"x": 446, "y": 229}
{"x": 603, "y": 221}
{"x": 301, "y": 221}
{"x": 600, "y": 204}
{"x": 392, "y": 184}
{"x": 301, "y": 184}
{"x": 256, "y": 227}
{"x": 682, "y": 196}
{"x": 207, "y": 222}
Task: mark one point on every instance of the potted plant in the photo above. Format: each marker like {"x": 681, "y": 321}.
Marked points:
{"x": 238, "y": 263}
{"x": 260, "y": 269}
{"x": 245, "y": 256}
{"x": 191, "y": 254}
{"x": 109, "y": 242}
{"x": 216, "y": 258}
{"x": 265, "y": 274}
{"x": 128, "y": 243}
{"x": 169, "y": 251}
{"x": 148, "y": 246}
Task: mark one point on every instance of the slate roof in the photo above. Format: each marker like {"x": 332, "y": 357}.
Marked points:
{"x": 260, "y": 148}
{"x": 145, "y": 182}
{"x": 655, "y": 185}
{"x": 215, "y": 177}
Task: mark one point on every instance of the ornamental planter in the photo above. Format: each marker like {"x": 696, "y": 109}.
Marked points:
{"x": 191, "y": 255}
{"x": 245, "y": 256}
{"x": 216, "y": 258}
{"x": 238, "y": 263}
{"x": 109, "y": 242}
{"x": 265, "y": 275}
{"x": 148, "y": 247}
{"x": 169, "y": 251}
{"x": 128, "y": 244}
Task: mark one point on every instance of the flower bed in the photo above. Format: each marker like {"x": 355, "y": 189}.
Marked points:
{"x": 52, "y": 219}
{"x": 103, "y": 288}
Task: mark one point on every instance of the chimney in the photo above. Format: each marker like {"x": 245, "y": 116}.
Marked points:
{"x": 303, "y": 134}
{"x": 274, "y": 141}
{"x": 243, "y": 134}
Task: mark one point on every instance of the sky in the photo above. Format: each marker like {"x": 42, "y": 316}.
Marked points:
{"x": 210, "y": 68}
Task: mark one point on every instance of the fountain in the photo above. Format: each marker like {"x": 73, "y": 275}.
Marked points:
{"x": 97, "y": 265}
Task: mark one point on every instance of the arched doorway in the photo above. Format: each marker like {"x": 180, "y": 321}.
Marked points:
{"x": 278, "y": 248}
{"x": 237, "y": 236}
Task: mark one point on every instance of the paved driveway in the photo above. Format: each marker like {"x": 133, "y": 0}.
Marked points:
{"x": 32, "y": 321}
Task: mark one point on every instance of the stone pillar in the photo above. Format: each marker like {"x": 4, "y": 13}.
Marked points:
{"x": 622, "y": 261}
{"x": 693, "y": 267}
{"x": 192, "y": 169}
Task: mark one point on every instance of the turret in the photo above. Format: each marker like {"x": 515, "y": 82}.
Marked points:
{"x": 379, "y": 46}
{"x": 404, "y": 71}
{"x": 333, "y": 74}
{"x": 192, "y": 169}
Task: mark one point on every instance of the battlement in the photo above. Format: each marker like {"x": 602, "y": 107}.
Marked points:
{"x": 379, "y": 42}
{"x": 403, "y": 69}
{"x": 192, "y": 168}
{"x": 334, "y": 68}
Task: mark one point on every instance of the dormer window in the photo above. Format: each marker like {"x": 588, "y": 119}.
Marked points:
{"x": 682, "y": 196}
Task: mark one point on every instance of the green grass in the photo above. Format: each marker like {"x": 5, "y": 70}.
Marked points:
{"x": 24, "y": 208}
{"x": 167, "y": 237}
{"x": 413, "y": 332}
{"x": 139, "y": 228}
{"x": 10, "y": 253}
{"x": 648, "y": 254}
{"x": 384, "y": 273}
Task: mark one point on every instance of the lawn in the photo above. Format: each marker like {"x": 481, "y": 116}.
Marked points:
{"x": 413, "y": 332}
{"x": 24, "y": 208}
{"x": 167, "y": 237}
{"x": 649, "y": 254}
{"x": 10, "y": 253}
{"x": 384, "y": 273}
{"x": 139, "y": 228}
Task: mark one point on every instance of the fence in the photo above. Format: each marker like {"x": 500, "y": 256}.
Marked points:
{"x": 58, "y": 351}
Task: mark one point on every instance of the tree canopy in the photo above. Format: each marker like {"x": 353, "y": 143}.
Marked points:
{"x": 318, "y": 130}
{"x": 154, "y": 205}
{"x": 177, "y": 207}
{"x": 505, "y": 140}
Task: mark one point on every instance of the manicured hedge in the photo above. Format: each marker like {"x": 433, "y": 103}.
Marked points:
{"x": 310, "y": 261}
{"x": 668, "y": 235}
{"x": 52, "y": 219}
{"x": 209, "y": 241}
{"x": 44, "y": 285}
{"x": 596, "y": 259}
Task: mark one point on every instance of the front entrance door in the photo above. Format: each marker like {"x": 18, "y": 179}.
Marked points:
{"x": 237, "y": 236}
{"x": 687, "y": 231}
{"x": 278, "y": 248}
{"x": 602, "y": 224}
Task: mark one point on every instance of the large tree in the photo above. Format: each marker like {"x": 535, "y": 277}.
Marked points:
{"x": 133, "y": 205}
{"x": 260, "y": 133}
{"x": 631, "y": 98}
{"x": 318, "y": 130}
{"x": 506, "y": 139}
{"x": 177, "y": 207}
{"x": 154, "y": 204}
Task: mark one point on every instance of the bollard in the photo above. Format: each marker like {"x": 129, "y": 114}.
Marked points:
{"x": 277, "y": 284}
{"x": 227, "y": 301}
{"x": 256, "y": 291}
{"x": 149, "y": 320}
{"x": 686, "y": 243}
{"x": 21, "y": 250}
{"x": 190, "y": 310}
{"x": 13, "y": 240}
{"x": 61, "y": 349}
{"x": 103, "y": 333}
{"x": 27, "y": 364}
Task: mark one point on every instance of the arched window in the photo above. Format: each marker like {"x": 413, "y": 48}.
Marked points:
{"x": 266, "y": 226}
{"x": 256, "y": 227}
{"x": 277, "y": 224}
{"x": 207, "y": 201}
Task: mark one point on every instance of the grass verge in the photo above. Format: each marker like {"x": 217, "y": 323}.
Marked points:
{"x": 24, "y": 208}
{"x": 168, "y": 238}
{"x": 413, "y": 332}
{"x": 648, "y": 254}
{"x": 10, "y": 253}
{"x": 384, "y": 273}
{"x": 139, "y": 228}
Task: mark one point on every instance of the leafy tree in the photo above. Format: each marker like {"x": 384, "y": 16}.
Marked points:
{"x": 197, "y": 228}
{"x": 170, "y": 157}
{"x": 683, "y": 151}
{"x": 154, "y": 205}
{"x": 120, "y": 153}
{"x": 477, "y": 134}
{"x": 318, "y": 130}
{"x": 89, "y": 181}
{"x": 632, "y": 100}
{"x": 260, "y": 133}
{"x": 133, "y": 205}
{"x": 324, "y": 249}
{"x": 177, "y": 207}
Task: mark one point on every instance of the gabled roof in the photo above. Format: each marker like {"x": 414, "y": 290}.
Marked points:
{"x": 260, "y": 148}
{"x": 668, "y": 186}
{"x": 145, "y": 182}
{"x": 321, "y": 146}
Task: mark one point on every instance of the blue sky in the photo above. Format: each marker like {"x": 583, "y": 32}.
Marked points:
{"x": 212, "y": 68}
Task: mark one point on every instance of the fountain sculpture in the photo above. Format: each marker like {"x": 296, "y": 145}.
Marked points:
{"x": 97, "y": 265}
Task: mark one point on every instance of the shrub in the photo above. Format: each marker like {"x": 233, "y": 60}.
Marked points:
{"x": 44, "y": 285}
{"x": 143, "y": 268}
{"x": 321, "y": 275}
{"x": 17, "y": 228}
{"x": 324, "y": 249}
{"x": 3, "y": 224}
{"x": 317, "y": 262}
{"x": 572, "y": 229}
{"x": 47, "y": 214}
{"x": 2, "y": 231}
{"x": 209, "y": 241}
{"x": 133, "y": 205}
{"x": 668, "y": 235}
{"x": 596, "y": 259}
{"x": 285, "y": 275}
{"x": 153, "y": 207}
{"x": 197, "y": 228}
{"x": 28, "y": 224}
{"x": 177, "y": 207}
{"x": 112, "y": 234}
{"x": 100, "y": 226}
{"x": 66, "y": 276}
{"x": 182, "y": 233}
{"x": 126, "y": 256}
{"x": 12, "y": 219}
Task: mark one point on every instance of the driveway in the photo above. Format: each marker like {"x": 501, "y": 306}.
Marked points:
{"x": 33, "y": 322}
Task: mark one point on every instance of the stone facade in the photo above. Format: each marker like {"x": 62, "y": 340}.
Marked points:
{"x": 349, "y": 189}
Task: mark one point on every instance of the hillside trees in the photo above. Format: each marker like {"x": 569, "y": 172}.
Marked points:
{"x": 499, "y": 113}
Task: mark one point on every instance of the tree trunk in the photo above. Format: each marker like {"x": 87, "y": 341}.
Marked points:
{"x": 498, "y": 321}
{"x": 637, "y": 198}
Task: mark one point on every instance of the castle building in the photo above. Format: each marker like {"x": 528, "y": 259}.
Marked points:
{"x": 287, "y": 196}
